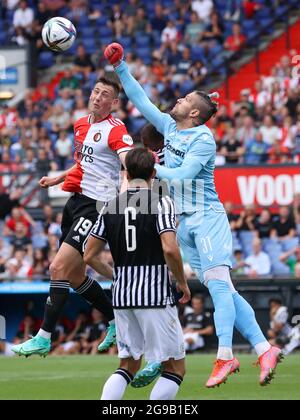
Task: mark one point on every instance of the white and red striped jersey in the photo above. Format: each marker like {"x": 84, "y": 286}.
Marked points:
{"x": 97, "y": 145}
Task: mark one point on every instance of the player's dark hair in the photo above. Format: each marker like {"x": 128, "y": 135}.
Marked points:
{"x": 207, "y": 107}
{"x": 275, "y": 300}
{"x": 140, "y": 163}
{"x": 110, "y": 82}
{"x": 151, "y": 137}
{"x": 199, "y": 297}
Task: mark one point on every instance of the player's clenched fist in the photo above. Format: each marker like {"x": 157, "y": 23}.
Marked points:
{"x": 114, "y": 53}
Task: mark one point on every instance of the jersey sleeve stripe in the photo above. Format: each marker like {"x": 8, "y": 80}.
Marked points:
{"x": 98, "y": 230}
{"x": 166, "y": 220}
{"x": 124, "y": 149}
{"x": 115, "y": 123}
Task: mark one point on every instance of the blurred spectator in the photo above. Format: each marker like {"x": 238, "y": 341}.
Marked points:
{"x": 197, "y": 325}
{"x": 297, "y": 271}
{"x": 69, "y": 81}
{"x": 48, "y": 217}
{"x": 8, "y": 201}
{"x": 239, "y": 264}
{"x": 256, "y": 150}
{"x": 295, "y": 210}
{"x": 60, "y": 119}
{"x": 245, "y": 106}
{"x": 158, "y": 22}
{"x": 233, "y": 10}
{"x": 197, "y": 72}
{"x": 249, "y": 8}
{"x": 80, "y": 110}
{"x": 247, "y": 132}
{"x": 263, "y": 224}
{"x": 20, "y": 239}
{"x": 5, "y": 253}
{"x": 44, "y": 164}
{"x": 59, "y": 334}
{"x": 73, "y": 339}
{"x": 257, "y": 264}
{"x": 8, "y": 118}
{"x": 246, "y": 220}
{"x": 94, "y": 333}
{"x": 55, "y": 227}
{"x": 232, "y": 218}
{"x": 213, "y": 33}
{"x": 40, "y": 263}
{"x": 235, "y": 41}
{"x": 284, "y": 225}
{"x": 116, "y": 15}
{"x": 140, "y": 22}
{"x": 203, "y": 8}
{"x": 23, "y": 18}
{"x": 270, "y": 132}
{"x": 65, "y": 100}
{"x": 82, "y": 62}
{"x": 182, "y": 66}
{"x": 30, "y": 160}
{"x": 278, "y": 153}
{"x": 232, "y": 148}
{"x": 170, "y": 33}
{"x": 18, "y": 215}
{"x": 281, "y": 333}
{"x": 19, "y": 266}
{"x": 29, "y": 326}
{"x": 193, "y": 29}
{"x": 63, "y": 147}
{"x": 291, "y": 258}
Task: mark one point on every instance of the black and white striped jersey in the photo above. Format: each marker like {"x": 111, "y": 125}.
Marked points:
{"x": 132, "y": 224}
{"x": 161, "y": 155}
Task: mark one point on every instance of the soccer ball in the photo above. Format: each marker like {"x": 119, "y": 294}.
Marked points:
{"x": 58, "y": 34}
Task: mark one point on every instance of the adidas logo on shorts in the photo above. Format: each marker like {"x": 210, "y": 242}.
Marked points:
{"x": 76, "y": 238}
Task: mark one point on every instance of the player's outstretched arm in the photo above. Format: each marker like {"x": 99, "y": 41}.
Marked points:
{"x": 114, "y": 54}
{"x": 47, "y": 181}
{"x": 92, "y": 257}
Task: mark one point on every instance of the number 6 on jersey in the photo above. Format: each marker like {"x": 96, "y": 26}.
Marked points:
{"x": 130, "y": 230}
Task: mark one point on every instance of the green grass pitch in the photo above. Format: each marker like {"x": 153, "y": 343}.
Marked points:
{"x": 82, "y": 377}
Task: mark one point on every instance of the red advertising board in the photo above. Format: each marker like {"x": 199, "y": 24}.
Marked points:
{"x": 265, "y": 186}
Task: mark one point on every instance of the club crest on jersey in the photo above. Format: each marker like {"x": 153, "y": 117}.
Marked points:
{"x": 97, "y": 137}
{"x": 127, "y": 139}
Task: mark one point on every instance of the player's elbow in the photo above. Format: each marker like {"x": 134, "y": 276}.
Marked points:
{"x": 88, "y": 257}
{"x": 170, "y": 250}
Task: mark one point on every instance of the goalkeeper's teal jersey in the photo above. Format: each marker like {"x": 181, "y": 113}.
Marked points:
{"x": 189, "y": 154}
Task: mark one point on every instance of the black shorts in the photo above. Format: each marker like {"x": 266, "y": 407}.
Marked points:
{"x": 79, "y": 216}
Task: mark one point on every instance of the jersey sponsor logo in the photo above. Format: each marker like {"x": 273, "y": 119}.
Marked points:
{"x": 176, "y": 152}
{"x": 127, "y": 139}
{"x": 76, "y": 238}
{"x": 186, "y": 139}
{"x": 97, "y": 136}
{"x": 84, "y": 152}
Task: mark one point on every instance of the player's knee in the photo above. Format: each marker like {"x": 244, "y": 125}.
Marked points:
{"x": 57, "y": 270}
{"x": 175, "y": 366}
{"x": 131, "y": 365}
